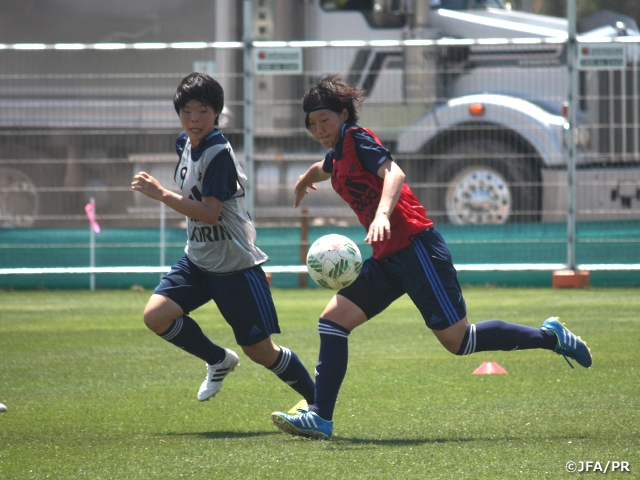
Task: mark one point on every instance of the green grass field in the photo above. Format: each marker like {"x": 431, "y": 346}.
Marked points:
{"x": 91, "y": 393}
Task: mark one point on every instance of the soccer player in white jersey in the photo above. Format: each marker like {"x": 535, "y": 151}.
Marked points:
{"x": 221, "y": 261}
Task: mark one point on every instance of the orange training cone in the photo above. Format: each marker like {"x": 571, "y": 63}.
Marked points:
{"x": 488, "y": 368}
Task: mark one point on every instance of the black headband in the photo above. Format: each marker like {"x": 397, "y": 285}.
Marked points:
{"x": 315, "y": 109}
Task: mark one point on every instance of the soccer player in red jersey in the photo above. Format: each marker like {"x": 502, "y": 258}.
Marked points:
{"x": 409, "y": 256}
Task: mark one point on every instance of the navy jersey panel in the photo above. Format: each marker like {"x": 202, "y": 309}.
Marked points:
{"x": 181, "y": 142}
{"x": 424, "y": 271}
{"x": 221, "y": 178}
{"x": 243, "y": 298}
{"x": 214, "y": 138}
{"x": 370, "y": 153}
{"x": 327, "y": 165}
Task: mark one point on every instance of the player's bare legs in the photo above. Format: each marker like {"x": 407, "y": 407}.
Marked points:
{"x": 166, "y": 319}
{"x": 344, "y": 312}
{"x": 451, "y": 337}
{"x": 263, "y": 353}
{"x": 160, "y": 313}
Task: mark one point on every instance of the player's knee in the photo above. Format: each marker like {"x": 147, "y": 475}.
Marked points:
{"x": 453, "y": 348}
{"x": 254, "y": 356}
{"x": 263, "y": 353}
{"x": 156, "y": 323}
{"x": 452, "y": 345}
{"x": 452, "y": 338}
{"x": 150, "y": 321}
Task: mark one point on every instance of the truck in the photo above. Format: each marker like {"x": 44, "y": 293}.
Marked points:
{"x": 469, "y": 95}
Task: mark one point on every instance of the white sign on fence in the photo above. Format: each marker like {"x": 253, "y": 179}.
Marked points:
{"x": 599, "y": 56}
{"x": 286, "y": 60}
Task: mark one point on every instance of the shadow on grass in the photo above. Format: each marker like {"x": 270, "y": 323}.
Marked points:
{"x": 223, "y": 434}
{"x": 356, "y": 441}
{"x": 346, "y": 441}
{"x": 398, "y": 441}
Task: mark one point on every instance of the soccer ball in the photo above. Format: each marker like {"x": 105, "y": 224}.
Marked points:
{"x": 334, "y": 261}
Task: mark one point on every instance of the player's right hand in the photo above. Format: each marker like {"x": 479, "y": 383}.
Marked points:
{"x": 147, "y": 185}
{"x": 301, "y": 190}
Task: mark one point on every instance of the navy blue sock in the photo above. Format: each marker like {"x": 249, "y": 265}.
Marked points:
{"x": 332, "y": 366}
{"x": 492, "y": 335}
{"x": 186, "y": 334}
{"x": 290, "y": 370}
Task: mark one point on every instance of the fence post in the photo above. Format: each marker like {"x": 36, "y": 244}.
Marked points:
{"x": 571, "y": 277}
{"x": 92, "y": 248}
{"x": 248, "y": 102}
{"x": 163, "y": 227}
{"x": 571, "y": 144}
{"x": 304, "y": 245}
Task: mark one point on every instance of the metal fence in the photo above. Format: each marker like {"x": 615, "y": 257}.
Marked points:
{"x": 478, "y": 126}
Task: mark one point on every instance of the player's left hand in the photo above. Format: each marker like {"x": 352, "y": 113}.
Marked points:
{"x": 379, "y": 230}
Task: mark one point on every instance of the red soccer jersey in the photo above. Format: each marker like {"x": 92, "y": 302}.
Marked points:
{"x": 362, "y": 190}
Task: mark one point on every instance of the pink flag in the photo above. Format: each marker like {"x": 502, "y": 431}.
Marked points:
{"x": 90, "y": 208}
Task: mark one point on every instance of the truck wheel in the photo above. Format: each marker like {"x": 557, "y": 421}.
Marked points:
{"x": 487, "y": 182}
{"x": 18, "y": 199}
{"x": 478, "y": 195}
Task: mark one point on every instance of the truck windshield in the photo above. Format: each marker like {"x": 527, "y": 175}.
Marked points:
{"x": 377, "y": 13}
{"x": 466, "y": 4}
{"x": 392, "y": 13}
{"x": 397, "y": 7}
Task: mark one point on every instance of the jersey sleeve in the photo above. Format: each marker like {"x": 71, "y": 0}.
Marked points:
{"x": 221, "y": 177}
{"x": 327, "y": 165}
{"x": 370, "y": 153}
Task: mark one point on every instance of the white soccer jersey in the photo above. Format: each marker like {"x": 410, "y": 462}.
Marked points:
{"x": 229, "y": 245}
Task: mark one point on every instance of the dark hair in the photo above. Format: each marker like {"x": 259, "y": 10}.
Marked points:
{"x": 333, "y": 93}
{"x": 201, "y": 88}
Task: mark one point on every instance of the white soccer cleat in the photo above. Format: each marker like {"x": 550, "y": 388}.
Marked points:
{"x": 216, "y": 374}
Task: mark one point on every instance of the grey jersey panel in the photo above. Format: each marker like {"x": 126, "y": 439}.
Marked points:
{"x": 229, "y": 245}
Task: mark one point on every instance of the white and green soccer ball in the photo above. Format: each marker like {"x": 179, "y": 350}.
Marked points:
{"x": 334, "y": 261}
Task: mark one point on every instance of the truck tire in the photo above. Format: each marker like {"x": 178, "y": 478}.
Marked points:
{"x": 18, "y": 199}
{"x": 486, "y": 181}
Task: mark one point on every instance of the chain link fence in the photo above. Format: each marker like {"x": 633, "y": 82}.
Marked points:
{"x": 478, "y": 126}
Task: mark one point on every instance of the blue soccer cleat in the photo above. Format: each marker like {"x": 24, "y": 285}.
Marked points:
{"x": 568, "y": 344}
{"x": 303, "y": 424}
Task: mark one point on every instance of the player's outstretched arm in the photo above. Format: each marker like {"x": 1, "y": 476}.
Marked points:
{"x": 208, "y": 210}
{"x": 380, "y": 228}
{"x": 307, "y": 180}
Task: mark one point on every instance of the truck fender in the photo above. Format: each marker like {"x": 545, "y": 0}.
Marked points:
{"x": 543, "y": 130}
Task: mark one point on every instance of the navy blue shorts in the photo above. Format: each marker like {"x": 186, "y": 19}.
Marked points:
{"x": 243, "y": 298}
{"x": 423, "y": 270}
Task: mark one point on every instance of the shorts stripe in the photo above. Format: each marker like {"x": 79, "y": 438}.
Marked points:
{"x": 436, "y": 284}
{"x": 263, "y": 303}
{"x": 264, "y": 295}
